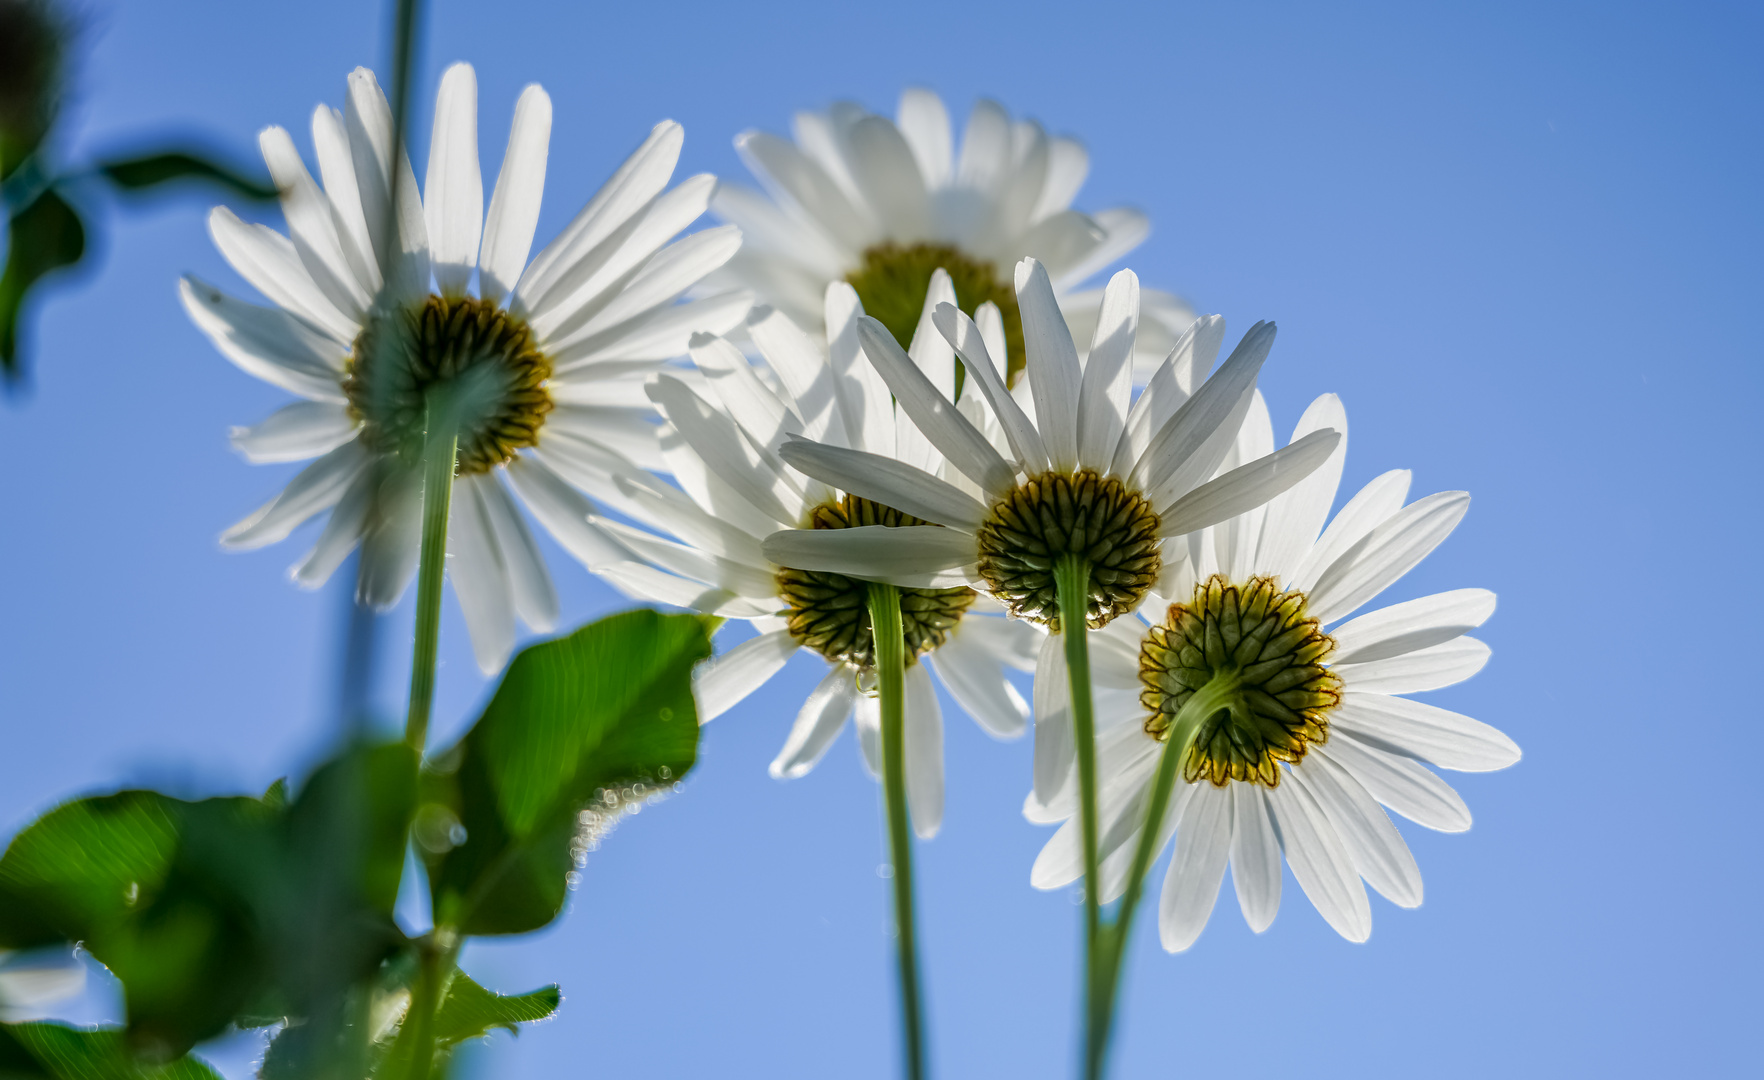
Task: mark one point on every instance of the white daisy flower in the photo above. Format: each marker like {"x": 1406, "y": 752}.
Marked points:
{"x": 1312, "y": 736}
{"x": 881, "y": 203}
{"x": 546, "y": 362}
{"x": 1088, "y": 480}
{"x": 723, "y": 430}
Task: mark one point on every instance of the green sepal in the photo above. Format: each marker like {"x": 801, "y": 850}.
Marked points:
{"x": 603, "y": 711}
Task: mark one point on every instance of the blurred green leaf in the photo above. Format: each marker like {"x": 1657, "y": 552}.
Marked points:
{"x": 166, "y": 166}
{"x": 225, "y": 909}
{"x": 59, "y": 1052}
{"x": 471, "y": 1012}
{"x": 43, "y": 237}
{"x": 605, "y": 714}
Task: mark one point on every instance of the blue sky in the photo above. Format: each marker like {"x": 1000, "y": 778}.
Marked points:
{"x": 1520, "y": 240}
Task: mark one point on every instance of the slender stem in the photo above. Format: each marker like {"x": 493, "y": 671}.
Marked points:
{"x": 437, "y": 954}
{"x": 1217, "y": 694}
{"x": 891, "y": 667}
{"x": 1072, "y": 587}
{"x": 438, "y": 463}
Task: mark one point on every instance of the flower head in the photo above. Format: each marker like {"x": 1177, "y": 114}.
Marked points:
{"x": 1082, "y": 474}
{"x": 376, "y": 327}
{"x": 725, "y": 423}
{"x": 882, "y": 204}
{"x": 1313, "y": 736}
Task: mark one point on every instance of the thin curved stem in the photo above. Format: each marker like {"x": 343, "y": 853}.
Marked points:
{"x": 1217, "y": 694}
{"x": 440, "y": 453}
{"x": 885, "y": 621}
{"x": 1072, "y": 588}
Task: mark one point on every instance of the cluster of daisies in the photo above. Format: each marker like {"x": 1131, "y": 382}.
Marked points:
{"x": 882, "y": 368}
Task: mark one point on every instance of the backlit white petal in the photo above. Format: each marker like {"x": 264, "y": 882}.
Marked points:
{"x": 908, "y": 557}
{"x": 1319, "y": 860}
{"x": 817, "y": 724}
{"x": 725, "y": 681}
{"x": 1255, "y": 856}
{"x": 1411, "y": 625}
{"x": 1191, "y": 885}
{"x": 514, "y": 205}
{"x": 1386, "y": 554}
{"x": 1414, "y": 672}
{"x": 295, "y": 432}
{"x": 1055, "y": 379}
{"x": 1447, "y": 739}
{"x": 923, "y": 736}
{"x": 1108, "y": 373}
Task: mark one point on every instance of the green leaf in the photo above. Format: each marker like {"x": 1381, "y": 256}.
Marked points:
{"x": 43, "y": 237}
{"x": 224, "y": 910}
{"x": 166, "y": 166}
{"x": 604, "y": 714}
{"x": 471, "y": 1012}
{"x": 59, "y": 1052}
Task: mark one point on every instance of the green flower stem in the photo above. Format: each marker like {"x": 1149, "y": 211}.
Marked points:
{"x": 438, "y": 465}
{"x": 1217, "y": 694}
{"x": 1072, "y": 587}
{"x": 438, "y": 953}
{"x": 891, "y": 667}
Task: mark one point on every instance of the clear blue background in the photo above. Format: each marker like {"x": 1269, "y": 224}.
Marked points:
{"x": 1520, "y": 240}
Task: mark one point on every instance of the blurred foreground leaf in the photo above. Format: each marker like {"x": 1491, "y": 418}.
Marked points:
{"x": 58, "y": 1052}
{"x": 166, "y": 166}
{"x": 43, "y": 237}
{"x": 224, "y": 909}
{"x": 603, "y": 717}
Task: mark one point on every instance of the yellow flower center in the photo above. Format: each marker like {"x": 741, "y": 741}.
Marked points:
{"x": 483, "y": 358}
{"x": 893, "y": 280}
{"x": 830, "y": 613}
{"x": 1261, "y": 637}
{"x": 1055, "y": 515}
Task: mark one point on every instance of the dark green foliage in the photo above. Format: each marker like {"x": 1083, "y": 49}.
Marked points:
{"x": 168, "y": 166}
{"x": 576, "y": 719}
{"x": 43, "y": 237}
{"x": 59, "y": 1052}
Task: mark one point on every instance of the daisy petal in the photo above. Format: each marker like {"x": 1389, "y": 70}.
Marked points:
{"x": 717, "y": 442}
{"x": 1386, "y": 554}
{"x": 924, "y": 123}
{"x": 368, "y": 118}
{"x": 1052, "y": 365}
{"x": 480, "y": 576}
{"x": 266, "y": 342}
{"x": 1401, "y": 783}
{"x": 295, "y": 432}
{"x": 1446, "y": 739}
{"x": 1108, "y": 372}
{"x": 514, "y": 205}
{"x": 867, "y": 718}
{"x": 817, "y": 723}
{"x": 269, "y": 261}
{"x": 1123, "y": 230}
{"x": 343, "y": 191}
{"x": 1196, "y": 438}
{"x": 1414, "y": 672}
{"x": 1248, "y": 486}
{"x": 563, "y": 511}
{"x": 1055, "y": 753}
{"x": 311, "y": 226}
{"x": 887, "y": 174}
{"x": 1191, "y": 884}
{"x": 1378, "y": 850}
{"x": 1255, "y": 856}
{"x": 869, "y": 406}
{"x": 316, "y": 488}
{"x": 887, "y": 481}
{"x": 794, "y": 177}
{"x": 615, "y": 206}
{"x": 689, "y": 562}
{"x": 1319, "y": 861}
{"x": 724, "y": 682}
{"x": 392, "y": 541}
{"x": 923, "y": 737}
{"x": 968, "y": 342}
{"x": 1411, "y": 625}
{"x": 807, "y": 377}
{"x": 907, "y": 556}
{"x": 453, "y": 192}
{"x": 1369, "y": 507}
{"x": 932, "y": 413}
{"x": 1296, "y": 517}
{"x": 535, "y": 600}
{"x": 979, "y": 686}
{"x": 341, "y": 534}
{"x": 1169, "y": 387}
